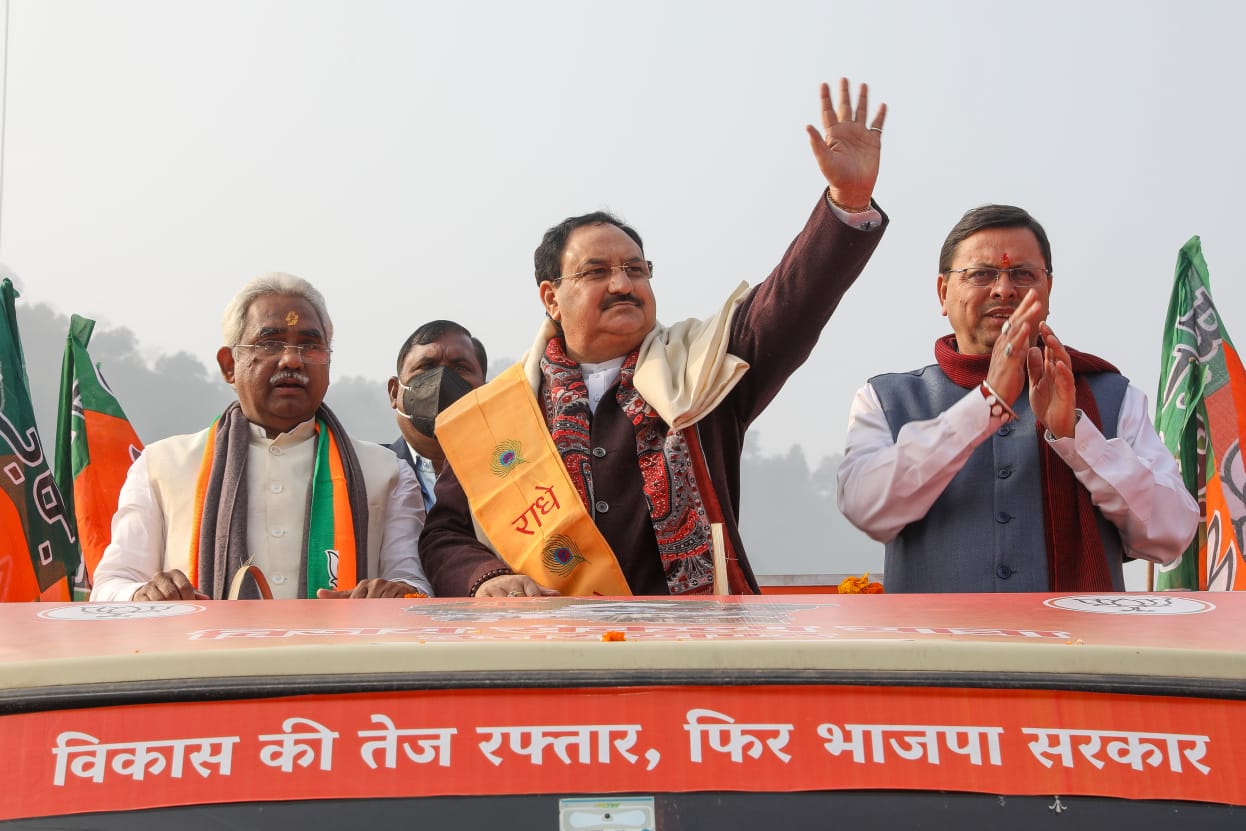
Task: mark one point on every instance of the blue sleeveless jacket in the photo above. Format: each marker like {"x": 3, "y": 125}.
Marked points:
{"x": 985, "y": 531}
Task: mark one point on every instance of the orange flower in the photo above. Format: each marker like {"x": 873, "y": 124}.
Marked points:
{"x": 613, "y": 636}
{"x": 854, "y": 585}
{"x": 415, "y": 594}
{"x": 860, "y": 585}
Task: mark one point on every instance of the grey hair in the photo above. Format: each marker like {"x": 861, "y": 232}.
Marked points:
{"x": 235, "y": 317}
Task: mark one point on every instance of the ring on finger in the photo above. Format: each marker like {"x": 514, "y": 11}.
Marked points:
{"x": 1006, "y": 327}
{"x": 514, "y": 594}
{"x": 1008, "y": 350}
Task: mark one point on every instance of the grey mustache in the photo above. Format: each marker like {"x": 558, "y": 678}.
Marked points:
{"x": 284, "y": 375}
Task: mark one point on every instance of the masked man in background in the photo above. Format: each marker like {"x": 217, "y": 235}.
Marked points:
{"x": 437, "y": 365}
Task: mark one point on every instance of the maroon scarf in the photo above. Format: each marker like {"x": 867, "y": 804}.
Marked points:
{"x": 1075, "y": 558}
{"x": 680, "y": 520}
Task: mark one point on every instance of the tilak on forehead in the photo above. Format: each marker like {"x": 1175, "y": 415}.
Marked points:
{"x": 1003, "y": 261}
{"x": 292, "y": 317}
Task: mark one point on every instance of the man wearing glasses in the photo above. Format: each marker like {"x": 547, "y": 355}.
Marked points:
{"x": 974, "y": 487}
{"x": 275, "y": 482}
{"x": 607, "y": 462}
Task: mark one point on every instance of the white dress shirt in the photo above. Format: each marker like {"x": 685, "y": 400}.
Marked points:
{"x": 600, "y": 377}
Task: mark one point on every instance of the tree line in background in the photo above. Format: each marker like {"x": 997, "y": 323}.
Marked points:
{"x": 789, "y": 518}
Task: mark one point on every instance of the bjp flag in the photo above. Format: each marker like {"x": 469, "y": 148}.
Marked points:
{"x": 38, "y": 547}
{"x": 95, "y": 445}
{"x": 1201, "y": 416}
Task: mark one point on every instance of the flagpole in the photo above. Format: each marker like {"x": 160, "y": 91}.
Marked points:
{"x": 4, "y": 119}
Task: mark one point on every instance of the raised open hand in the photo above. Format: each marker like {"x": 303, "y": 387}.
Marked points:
{"x": 1053, "y": 392}
{"x": 847, "y": 150}
{"x": 1006, "y": 374}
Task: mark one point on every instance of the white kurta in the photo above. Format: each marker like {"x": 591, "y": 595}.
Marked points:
{"x": 155, "y": 513}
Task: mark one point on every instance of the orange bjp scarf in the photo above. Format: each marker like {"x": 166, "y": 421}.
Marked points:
{"x": 336, "y": 528}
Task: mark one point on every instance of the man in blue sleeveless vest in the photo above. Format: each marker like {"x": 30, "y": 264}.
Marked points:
{"x": 974, "y": 487}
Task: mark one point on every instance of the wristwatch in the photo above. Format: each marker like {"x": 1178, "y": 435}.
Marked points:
{"x": 1077, "y": 417}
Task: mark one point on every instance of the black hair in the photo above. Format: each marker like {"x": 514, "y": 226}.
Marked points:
{"x": 991, "y": 216}
{"x": 434, "y": 331}
{"x": 548, "y": 255}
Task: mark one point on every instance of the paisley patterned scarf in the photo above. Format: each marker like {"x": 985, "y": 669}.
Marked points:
{"x": 676, "y": 509}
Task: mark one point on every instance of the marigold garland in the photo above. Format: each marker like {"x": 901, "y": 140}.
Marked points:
{"x": 860, "y": 585}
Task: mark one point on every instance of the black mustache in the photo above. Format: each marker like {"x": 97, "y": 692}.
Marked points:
{"x": 616, "y": 299}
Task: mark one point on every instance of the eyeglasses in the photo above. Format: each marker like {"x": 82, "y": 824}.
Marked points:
{"x": 1022, "y": 277}
{"x": 639, "y": 270}
{"x": 309, "y": 353}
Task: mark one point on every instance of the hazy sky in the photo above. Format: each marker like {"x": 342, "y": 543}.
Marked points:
{"x": 406, "y": 157}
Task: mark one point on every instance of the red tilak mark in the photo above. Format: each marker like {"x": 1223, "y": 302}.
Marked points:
{"x": 1004, "y": 261}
